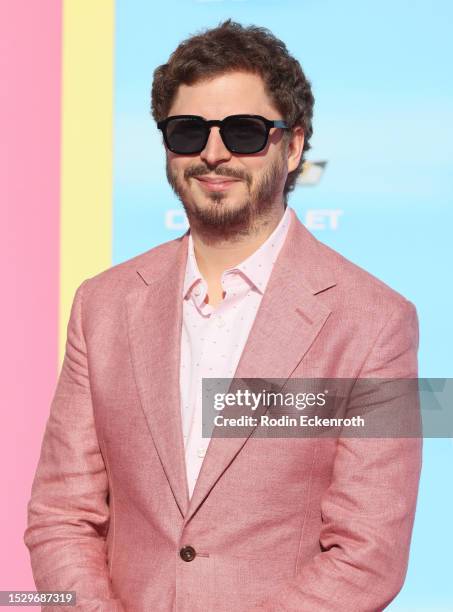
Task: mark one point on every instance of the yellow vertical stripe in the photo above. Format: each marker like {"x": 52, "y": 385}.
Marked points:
{"x": 87, "y": 147}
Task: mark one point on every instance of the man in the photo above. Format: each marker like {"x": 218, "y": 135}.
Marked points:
{"x": 131, "y": 506}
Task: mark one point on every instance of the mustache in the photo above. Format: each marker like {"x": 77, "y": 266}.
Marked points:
{"x": 202, "y": 169}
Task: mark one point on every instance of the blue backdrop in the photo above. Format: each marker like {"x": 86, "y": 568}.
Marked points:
{"x": 381, "y": 76}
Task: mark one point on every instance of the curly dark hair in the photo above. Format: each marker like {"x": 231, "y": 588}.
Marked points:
{"x": 229, "y": 47}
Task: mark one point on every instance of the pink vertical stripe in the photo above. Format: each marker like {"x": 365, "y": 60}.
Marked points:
{"x": 30, "y": 69}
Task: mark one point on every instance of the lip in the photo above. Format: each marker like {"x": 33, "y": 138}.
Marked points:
{"x": 216, "y": 184}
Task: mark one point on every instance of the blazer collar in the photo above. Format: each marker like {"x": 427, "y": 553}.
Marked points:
{"x": 300, "y": 246}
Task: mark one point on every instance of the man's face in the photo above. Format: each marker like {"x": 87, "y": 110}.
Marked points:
{"x": 220, "y": 190}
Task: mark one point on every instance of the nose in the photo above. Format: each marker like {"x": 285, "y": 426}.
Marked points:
{"x": 215, "y": 152}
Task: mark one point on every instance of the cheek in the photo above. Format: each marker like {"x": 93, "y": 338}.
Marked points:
{"x": 260, "y": 168}
{"x": 254, "y": 167}
{"x": 259, "y": 165}
{"x": 176, "y": 167}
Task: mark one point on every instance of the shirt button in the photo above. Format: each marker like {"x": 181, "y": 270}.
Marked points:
{"x": 197, "y": 291}
{"x": 219, "y": 322}
{"x": 187, "y": 553}
{"x": 201, "y": 452}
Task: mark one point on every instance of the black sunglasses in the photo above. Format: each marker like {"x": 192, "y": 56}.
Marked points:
{"x": 188, "y": 134}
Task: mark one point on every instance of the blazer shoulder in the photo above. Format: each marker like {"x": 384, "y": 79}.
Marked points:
{"x": 359, "y": 287}
{"x": 124, "y": 277}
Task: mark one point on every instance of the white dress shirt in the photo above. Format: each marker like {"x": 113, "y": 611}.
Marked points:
{"x": 213, "y": 339}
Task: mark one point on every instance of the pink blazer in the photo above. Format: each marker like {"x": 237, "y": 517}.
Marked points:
{"x": 306, "y": 524}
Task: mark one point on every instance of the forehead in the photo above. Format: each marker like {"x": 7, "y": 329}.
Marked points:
{"x": 232, "y": 93}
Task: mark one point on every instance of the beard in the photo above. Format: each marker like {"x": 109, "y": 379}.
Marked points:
{"x": 220, "y": 221}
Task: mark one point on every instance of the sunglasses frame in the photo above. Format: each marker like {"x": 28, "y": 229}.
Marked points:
{"x": 221, "y": 123}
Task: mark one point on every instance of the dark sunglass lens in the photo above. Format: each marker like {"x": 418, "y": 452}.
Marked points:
{"x": 245, "y": 134}
{"x": 186, "y": 135}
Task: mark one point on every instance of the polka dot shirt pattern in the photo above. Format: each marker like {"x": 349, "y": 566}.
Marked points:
{"x": 212, "y": 339}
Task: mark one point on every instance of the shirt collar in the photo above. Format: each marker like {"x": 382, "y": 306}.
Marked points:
{"x": 256, "y": 268}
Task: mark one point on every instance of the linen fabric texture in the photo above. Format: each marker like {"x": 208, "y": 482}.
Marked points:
{"x": 306, "y": 524}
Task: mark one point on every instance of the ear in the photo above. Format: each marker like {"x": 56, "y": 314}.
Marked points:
{"x": 295, "y": 147}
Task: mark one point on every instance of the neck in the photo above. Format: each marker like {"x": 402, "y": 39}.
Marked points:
{"x": 214, "y": 256}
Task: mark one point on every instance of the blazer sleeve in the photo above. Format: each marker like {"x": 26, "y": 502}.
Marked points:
{"x": 368, "y": 509}
{"x": 68, "y": 512}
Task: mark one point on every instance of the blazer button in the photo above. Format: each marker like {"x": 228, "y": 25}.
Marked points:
{"x": 187, "y": 553}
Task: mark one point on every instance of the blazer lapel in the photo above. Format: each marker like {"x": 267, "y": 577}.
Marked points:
{"x": 154, "y": 320}
{"x": 287, "y": 322}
